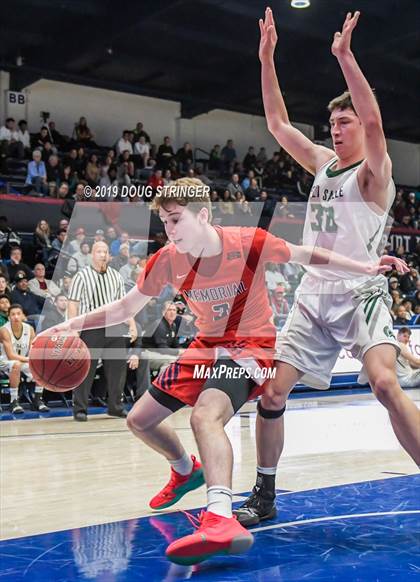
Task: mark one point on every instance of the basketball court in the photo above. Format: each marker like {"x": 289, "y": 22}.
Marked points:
{"x": 74, "y": 499}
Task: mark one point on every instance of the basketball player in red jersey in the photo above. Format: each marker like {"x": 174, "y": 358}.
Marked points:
{"x": 220, "y": 272}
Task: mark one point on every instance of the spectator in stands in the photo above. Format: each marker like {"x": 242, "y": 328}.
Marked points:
{"x": 42, "y": 241}
{"x": 139, "y": 132}
{"x": 252, "y": 192}
{"x": 394, "y": 284}
{"x": 66, "y": 283}
{"x": 79, "y": 238}
{"x": 215, "y": 159}
{"x": 156, "y": 180}
{"x": 36, "y": 179}
{"x": 247, "y": 180}
{"x": 250, "y": 160}
{"x": 83, "y": 135}
{"x": 41, "y": 286}
{"x": 284, "y": 209}
{"x": 4, "y": 287}
{"x": 279, "y": 305}
{"x": 408, "y": 306}
{"x": 165, "y": 153}
{"x": 184, "y": 157}
{"x": 3, "y": 269}
{"x": 115, "y": 245}
{"x": 272, "y": 171}
{"x": 81, "y": 258}
{"x": 8, "y": 237}
{"x": 24, "y": 137}
{"x": 274, "y": 277}
{"x": 70, "y": 177}
{"x": 80, "y": 163}
{"x": 57, "y": 243}
{"x": 47, "y": 151}
{"x": 226, "y": 207}
{"x": 99, "y": 236}
{"x": 71, "y": 160}
{"x": 234, "y": 186}
{"x": 228, "y": 157}
{"x": 55, "y": 313}
{"x": 122, "y": 258}
{"x": 262, "y": 157}
{"x": 4, "y": 309}
{"x": 15, "y": 264}
{"x": 54, "y": 174}
{"x": 142, "y": 149}
{"x": 161, "y": 341}
{"x": 400, "y": 315}
{"x": 31, "y": 304}
{"x": 56, "y": 137}
{"x": 63, "y": 191}
{"x": 408, "y": 282}
{"x": 10, "y": 145}
{"x": 130, "y": 271}
{"x": 41, "y": 138}
{"x": 407, "y": 362}
{"x": 92, "y": 170}
{"x": 125, "y": 143}
{"x": 110, "y": 180}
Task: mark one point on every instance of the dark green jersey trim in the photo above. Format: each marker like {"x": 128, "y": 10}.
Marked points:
{"x": 332, "y": 173}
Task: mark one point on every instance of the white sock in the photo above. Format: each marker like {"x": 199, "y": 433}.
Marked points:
{"x": 183, "y": 466}
{"x": 38, "y": 389}
{"x": 267, "y": 470}
{"x": 13, "y": 394}
{"x": 219, "y": 500}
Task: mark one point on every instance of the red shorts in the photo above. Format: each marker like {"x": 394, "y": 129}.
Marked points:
{"x": 185, "y": 378}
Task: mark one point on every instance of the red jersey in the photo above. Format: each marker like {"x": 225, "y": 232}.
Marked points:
{"x": 227, "y": 293}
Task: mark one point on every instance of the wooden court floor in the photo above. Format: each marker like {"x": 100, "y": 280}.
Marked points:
{"x": 57, "y": 474}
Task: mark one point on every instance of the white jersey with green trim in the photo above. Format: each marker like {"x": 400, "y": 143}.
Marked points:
{"x": 20, "y": 345}
{"x": 338, "y": 219}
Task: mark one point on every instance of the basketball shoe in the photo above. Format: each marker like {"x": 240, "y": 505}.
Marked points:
{"x": 178, "y": 486}
{"x": 215, "y": 535}
{"x": 259, "y": 506}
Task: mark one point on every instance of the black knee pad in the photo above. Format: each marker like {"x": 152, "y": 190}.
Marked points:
{"x": 270, "y": 414}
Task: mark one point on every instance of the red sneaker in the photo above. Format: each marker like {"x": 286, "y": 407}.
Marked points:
{"x": 178, "y": 486}
{"x": 215, "y": 535}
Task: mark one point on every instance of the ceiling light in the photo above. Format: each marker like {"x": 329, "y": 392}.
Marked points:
{"x": 300, "y": 3}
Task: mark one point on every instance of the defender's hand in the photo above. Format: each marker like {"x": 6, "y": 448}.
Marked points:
{"x": 342, "y": 40}
{"x": 268, "y": 36}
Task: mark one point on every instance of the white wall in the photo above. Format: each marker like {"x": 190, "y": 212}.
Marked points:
{"x": 109, "y": 112}
{"x": 4, "y": 86}
{"x": 405, "y": 161}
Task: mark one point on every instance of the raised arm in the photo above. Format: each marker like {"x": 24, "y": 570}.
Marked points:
{"x": 378, "y": 163}
{"x": 301, "y": 148}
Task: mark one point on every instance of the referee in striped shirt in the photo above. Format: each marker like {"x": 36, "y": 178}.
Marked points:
{"x": 93, "y": 287}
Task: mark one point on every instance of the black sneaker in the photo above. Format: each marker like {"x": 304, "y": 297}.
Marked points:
{"x": 38, "y": 404}
{"x": 80, "y": 416}
{"x": 259, "y": 506}
{"x": 15, "y": 407}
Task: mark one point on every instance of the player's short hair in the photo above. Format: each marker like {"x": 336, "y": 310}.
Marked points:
{"x": 16, "y": 306}
{"x": 404, "y": 330}
{"x": 341, "y": 102}
{"x": 189, "y": 192}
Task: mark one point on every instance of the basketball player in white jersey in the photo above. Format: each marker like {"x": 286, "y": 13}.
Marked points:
{"x": 16, "y": 338}
{"x": 347, "y": 211}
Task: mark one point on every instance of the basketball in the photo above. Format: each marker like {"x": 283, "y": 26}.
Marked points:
{"x": 59, "y": 362}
